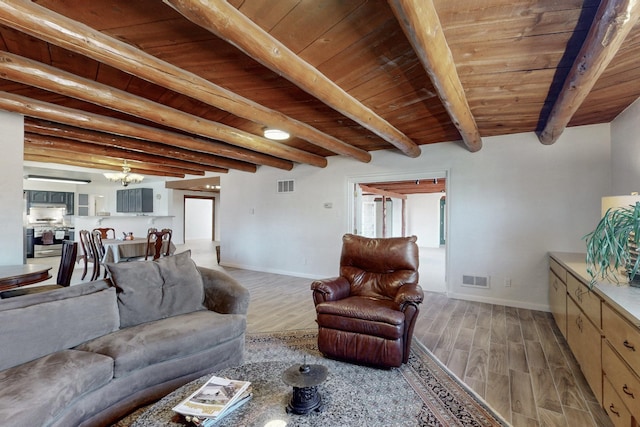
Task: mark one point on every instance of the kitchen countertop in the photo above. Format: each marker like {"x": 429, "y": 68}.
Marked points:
{"x": 625, "y": 298}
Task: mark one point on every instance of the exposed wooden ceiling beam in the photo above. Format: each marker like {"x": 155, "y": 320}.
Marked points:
{"x": 46, "y": 111}
{"x": 420, "y": 23}
{"x": 377, "y": 191}
{"x": 613, "y": 21}
{"x": 41, "y": 127}
{"x": 231, "y": 25}
{"x": 32, "y": 73}
{"x": 418, "y": 186}
{"x": 46, "y": 155}
{"x": 55, "y": 143}
{"x": 45, "y": 24}
{"x": 86, "y": 162}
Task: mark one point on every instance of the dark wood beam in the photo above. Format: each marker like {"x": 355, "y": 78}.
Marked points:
{"x": 32, "y": 73}
{"x": 43, "y": 23}
{"x": 613, "y": 21}
{"x": 45, "y": 128}
{"x": 418, "y": 186}
{"x": 226, "y": 22}
{"x": 420, "y": 23}
{"x": 55, "y": 143}
{"x": 383, "y": 193}
{"x": 95, "y": 162}
{"x": 56, "y": 113}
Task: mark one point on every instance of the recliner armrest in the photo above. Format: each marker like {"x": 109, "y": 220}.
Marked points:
{"x": 409, "y": 294}
{"x": 330, "y": 289}
{"x": 222, "y": 293}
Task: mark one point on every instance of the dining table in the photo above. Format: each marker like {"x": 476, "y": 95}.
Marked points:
{"x": 13, "y": 276}
{"x": 116, "y": 250}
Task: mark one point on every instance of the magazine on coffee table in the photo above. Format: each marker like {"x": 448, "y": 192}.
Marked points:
{"x": 216, "y": 398}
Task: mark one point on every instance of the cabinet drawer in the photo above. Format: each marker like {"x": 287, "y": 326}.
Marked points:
{"x": 585, "y": 341}
{"x": 588, "y": 301}
{"x": 623, "y": 337}
{"x": 612, "y": 403}
{"x": 558, "y": 269}
{"x": 558, "y": 302}
{"x": 625, "y": 383}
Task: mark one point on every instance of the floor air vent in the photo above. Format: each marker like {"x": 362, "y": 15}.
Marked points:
{"x": 475, "y": 281}
{"x": 285, "y": 186}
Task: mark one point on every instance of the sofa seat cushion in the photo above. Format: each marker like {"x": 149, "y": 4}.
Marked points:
{"x": 34, "y": 393}
{"x": 154, "y": 342}
{"x": 355, "y": 314}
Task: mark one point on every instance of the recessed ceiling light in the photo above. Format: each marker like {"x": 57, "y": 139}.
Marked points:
{"x": 276, "y": 134}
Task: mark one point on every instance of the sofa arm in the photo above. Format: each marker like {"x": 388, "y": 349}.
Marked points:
{"x": 409, "y": 294}
{"x": 223, "y": 293}
{"x": 330, "y": 289}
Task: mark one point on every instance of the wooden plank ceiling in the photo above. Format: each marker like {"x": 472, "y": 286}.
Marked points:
{"x": 180, "y": 88}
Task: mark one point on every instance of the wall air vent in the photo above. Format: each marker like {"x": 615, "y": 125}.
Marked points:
{"x": 475, "y": 281}
{"x": 286, "y": 186}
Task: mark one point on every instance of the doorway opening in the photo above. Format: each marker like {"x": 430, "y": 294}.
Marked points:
{"x": 404, "y": 205}
{"x": 199, "y": 218}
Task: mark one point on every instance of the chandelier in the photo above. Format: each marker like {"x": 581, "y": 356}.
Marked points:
{"x": 125, "y": 177}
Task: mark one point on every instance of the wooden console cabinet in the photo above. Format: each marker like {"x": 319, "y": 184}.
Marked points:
{"x": 602, "y": 327}
{"x": 558, "y": 295}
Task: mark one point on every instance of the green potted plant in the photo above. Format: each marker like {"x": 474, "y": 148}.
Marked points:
{"x": 612, "y": 247}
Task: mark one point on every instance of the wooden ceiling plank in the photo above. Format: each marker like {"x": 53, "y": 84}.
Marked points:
{"x": 230, "y": 24}
{"x": 422, "y": 27}
{"x": 45, "y": 24}
{"x": 103, "y": 150}
{"x": 56, "y": 113}
{"x": 613, "y": 21}
{"x": 36, "y": 74}
{"x": 68, "y": 132}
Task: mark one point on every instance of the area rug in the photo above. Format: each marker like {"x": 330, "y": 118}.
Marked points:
{"x": 421, "y": 393}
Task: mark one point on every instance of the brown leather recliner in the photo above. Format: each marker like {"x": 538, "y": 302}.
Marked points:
{"x": 367, "y": 314}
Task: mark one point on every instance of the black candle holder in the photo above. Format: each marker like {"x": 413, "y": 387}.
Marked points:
{"x": 305, "y": 380}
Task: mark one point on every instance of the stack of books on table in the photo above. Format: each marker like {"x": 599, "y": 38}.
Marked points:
{"x": 214, "y": 400}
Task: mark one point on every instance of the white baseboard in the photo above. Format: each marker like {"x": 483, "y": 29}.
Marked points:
{"x": 500, "y": 301}
{"x": 272, "y": 271}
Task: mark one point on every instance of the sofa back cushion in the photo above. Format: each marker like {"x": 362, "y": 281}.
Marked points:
{"x": 39, "y": 324}
{"x": 154, "y": 290}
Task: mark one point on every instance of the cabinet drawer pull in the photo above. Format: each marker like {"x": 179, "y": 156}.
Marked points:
{"x": 626, "y": 391}
{"x": 613, "y": 410}
{"x": 629, "y": 345}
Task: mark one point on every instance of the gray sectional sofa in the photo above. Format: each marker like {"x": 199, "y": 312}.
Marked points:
{"x": 88, "y": 354}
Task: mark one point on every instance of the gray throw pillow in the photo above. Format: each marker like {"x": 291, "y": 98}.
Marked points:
{"x": 153, "y": 290}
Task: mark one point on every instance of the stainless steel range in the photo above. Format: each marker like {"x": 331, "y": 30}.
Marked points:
{"x": 49, "y": 230}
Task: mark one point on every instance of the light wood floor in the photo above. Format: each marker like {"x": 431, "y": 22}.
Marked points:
{"x": 516, "y": 359}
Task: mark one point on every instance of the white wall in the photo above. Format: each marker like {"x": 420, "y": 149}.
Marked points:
{"x": 625, "y": 151}
{"x": 508, "y": 205}
{"x": 11, "y": 200}
{"x": 423, "y": 218}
